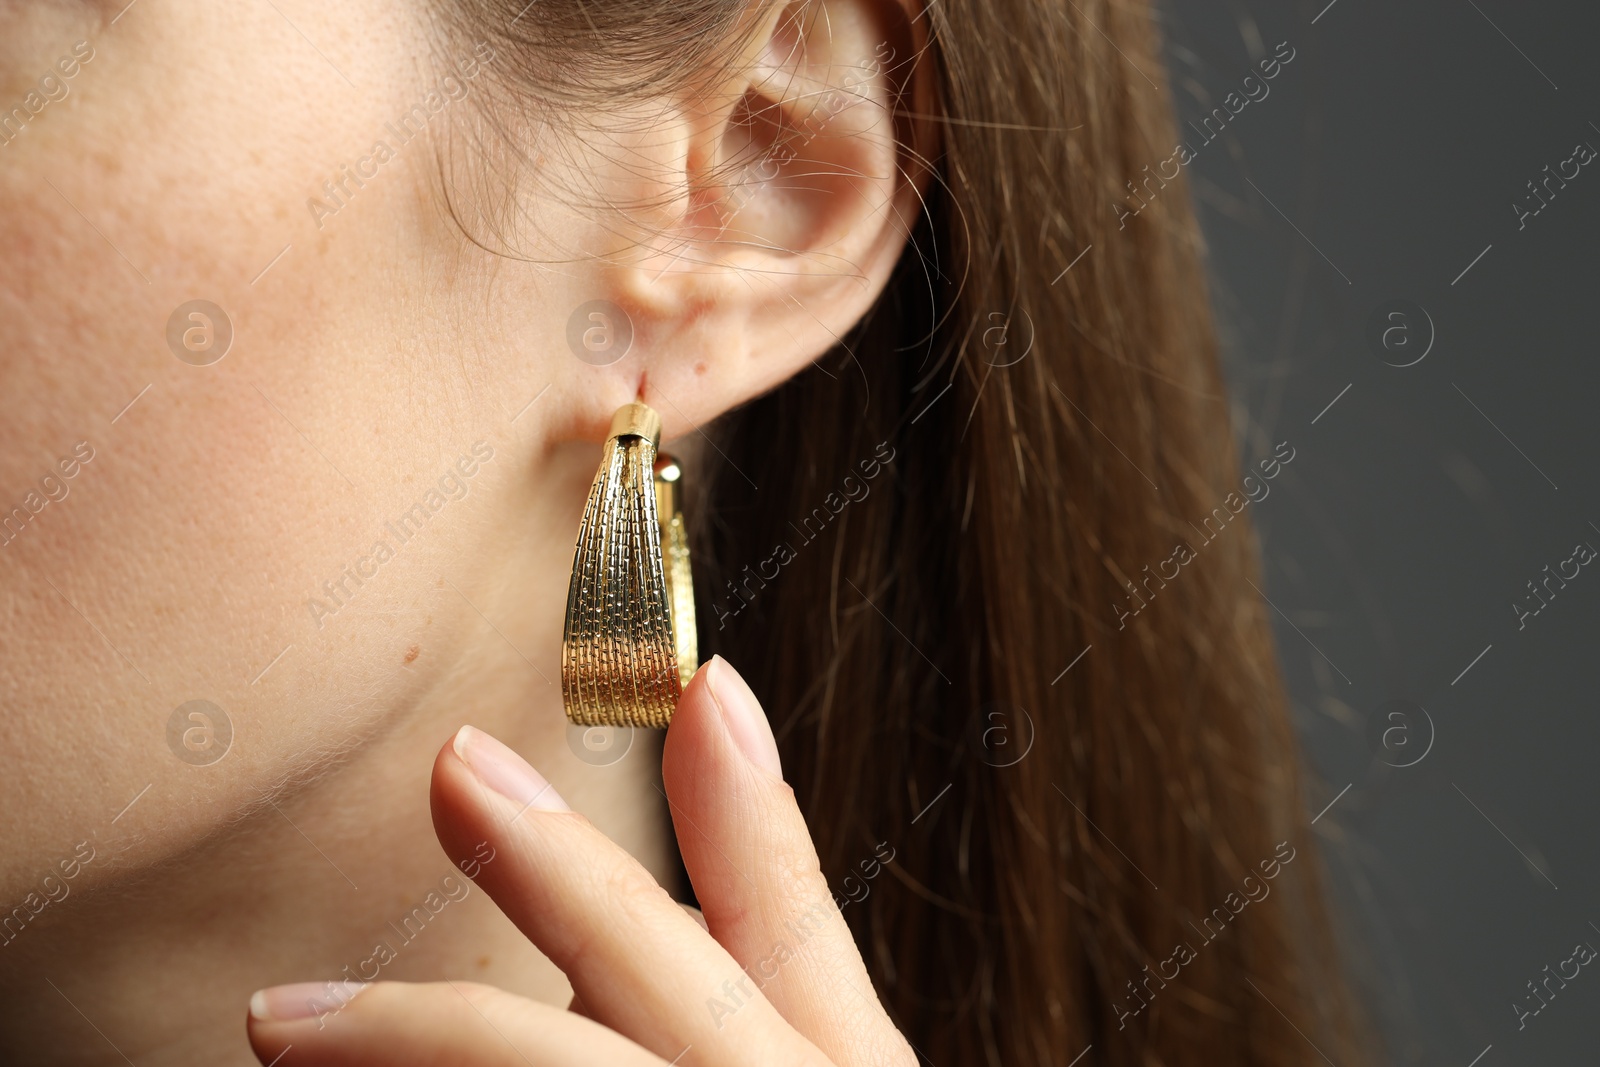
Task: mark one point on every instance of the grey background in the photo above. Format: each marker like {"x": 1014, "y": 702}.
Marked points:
{"x": 1394, "y": 545}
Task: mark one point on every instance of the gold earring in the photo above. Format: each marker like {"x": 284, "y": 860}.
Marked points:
{"x": 628, "y": 647}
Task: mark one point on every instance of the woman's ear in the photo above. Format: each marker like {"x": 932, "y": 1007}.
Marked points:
{"x": 785, "y": 194}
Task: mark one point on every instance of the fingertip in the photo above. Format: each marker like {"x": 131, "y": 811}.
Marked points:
{"x": 690, "y": 755}
{"x": 448, "y": 766}
{"x": 692, "y": 716}
{"x": 278, "y": 1017}
{"x": 719, "y": 749}
{"x": 449, "y": 773}
{"x": 743, "y": 716}
{"x": 302, "y": 1000}
{"x": 456, "y": 803}
{"x": 696, "y": 693}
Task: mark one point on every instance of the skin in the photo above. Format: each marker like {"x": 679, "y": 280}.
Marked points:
{"x": 770, "y": 975}
{"x": 369, "y": 354}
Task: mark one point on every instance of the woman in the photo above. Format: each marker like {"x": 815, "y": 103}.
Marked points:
{"x": 316, "y": 316}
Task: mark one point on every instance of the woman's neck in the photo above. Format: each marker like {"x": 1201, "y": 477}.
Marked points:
{"x": 335, "y": 875}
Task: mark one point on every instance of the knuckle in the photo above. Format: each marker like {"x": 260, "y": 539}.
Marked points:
{"x": 795, "y": 874}
{"x": 636, "y": 894}
{"x": 631, "y": 906}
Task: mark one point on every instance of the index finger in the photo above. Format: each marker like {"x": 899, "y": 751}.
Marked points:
{"x": 635, "y": 958}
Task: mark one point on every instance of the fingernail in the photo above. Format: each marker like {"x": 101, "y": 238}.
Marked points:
{"x": 285, "y": 1003}
{"x": 742, "y": 714}
{"x": 505, "y": 772}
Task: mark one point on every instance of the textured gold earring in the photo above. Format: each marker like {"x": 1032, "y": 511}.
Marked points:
{"x": 628, "y": 647}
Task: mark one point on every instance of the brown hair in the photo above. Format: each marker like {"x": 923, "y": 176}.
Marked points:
{"x": 955, "y": 544}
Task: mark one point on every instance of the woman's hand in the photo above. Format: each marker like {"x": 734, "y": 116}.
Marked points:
{"x": 772, "y": 977}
